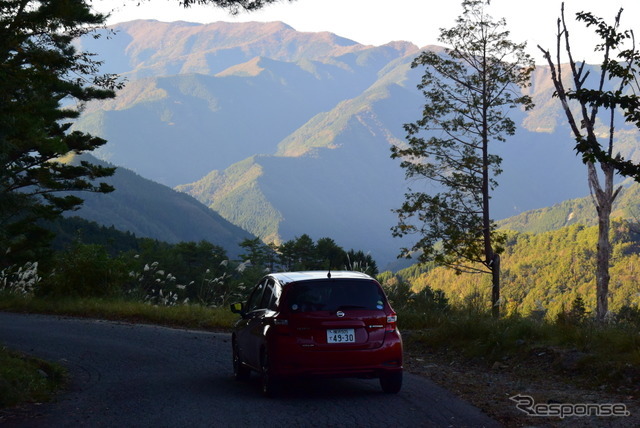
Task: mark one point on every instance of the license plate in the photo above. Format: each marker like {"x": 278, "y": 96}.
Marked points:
{"x": 341, "y": 335}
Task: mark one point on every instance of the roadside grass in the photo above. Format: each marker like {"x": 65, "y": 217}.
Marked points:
{"x": 27, "y": 379}
{"x": 579, "y": 351}
{"x": 595, "y": 356}
{"x": 187, "y": 316}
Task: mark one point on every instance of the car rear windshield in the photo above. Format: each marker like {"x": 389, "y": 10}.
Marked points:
{"x": 333, "y": 295}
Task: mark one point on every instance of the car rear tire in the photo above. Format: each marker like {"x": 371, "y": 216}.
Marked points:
{"x": 270, "y": 385}
{"x": 240, "y": 371}
{"x": 391, "y": 383}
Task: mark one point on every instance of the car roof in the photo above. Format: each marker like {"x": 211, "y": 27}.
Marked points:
{"x": 287, "y": 277}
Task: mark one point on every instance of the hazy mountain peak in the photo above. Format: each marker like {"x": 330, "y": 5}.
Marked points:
{"x": 144, "y": 48}
{"x": 402, "y": 46}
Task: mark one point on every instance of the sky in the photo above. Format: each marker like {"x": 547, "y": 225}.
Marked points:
{"x": 377, "y": 22}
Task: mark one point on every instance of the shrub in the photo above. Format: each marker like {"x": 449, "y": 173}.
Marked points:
{"x": 429, "y": 300}
{"x": 576, "y": 315}
{"x": 398, "y": 292}
{"x": 630, "y": 316}
{"x": 85, "y": 270}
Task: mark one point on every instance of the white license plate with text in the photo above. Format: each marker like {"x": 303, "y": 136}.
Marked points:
{"x": 341, "y": 335}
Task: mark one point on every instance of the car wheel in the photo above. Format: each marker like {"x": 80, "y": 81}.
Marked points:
{"x": 391, "y": 383}
{"x": 270, "y": 386}
{"x": 240, "y": 371}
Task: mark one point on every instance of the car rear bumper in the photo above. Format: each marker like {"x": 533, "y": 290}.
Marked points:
{"x": 292, "y": 359}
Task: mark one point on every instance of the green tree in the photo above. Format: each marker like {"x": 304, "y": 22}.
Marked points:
{"x": 260, "y": 256}
{"x": 305, "y": 250}
{"x": 469, "y": 88}
{"x": 255, "y": 251}
{"x": 234, "y": 6}
{"x": 42, "y": 75}
{"x": 298, "y": 253}
{"x": 85, "y": 270}
{"x": 329, "y": 254}
{"x": 194, "y": 259}
{"x": 287, "y": 255}
{"x": 585, "y": 107}
{"x": 361, "y": 262}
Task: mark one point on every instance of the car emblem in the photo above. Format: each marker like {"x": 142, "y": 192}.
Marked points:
{"x": 340, "y": 314}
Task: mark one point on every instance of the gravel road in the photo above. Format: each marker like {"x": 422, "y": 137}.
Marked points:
{"x": 131, "y": 375}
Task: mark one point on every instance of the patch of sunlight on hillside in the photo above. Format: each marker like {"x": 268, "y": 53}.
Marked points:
{"x": 139, "y": 91}
{"x": 250, "y": 68}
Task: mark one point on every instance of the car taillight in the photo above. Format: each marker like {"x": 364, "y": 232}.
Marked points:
{"x": 392, "y": 321}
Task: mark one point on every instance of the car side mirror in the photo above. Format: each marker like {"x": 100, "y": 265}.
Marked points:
{"x": 237, "y": 308}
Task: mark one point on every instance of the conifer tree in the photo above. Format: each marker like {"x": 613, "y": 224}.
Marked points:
{"x": 44, "y": 81}
{"x": 469, "y": 89}
{"x": 234, "y": 6}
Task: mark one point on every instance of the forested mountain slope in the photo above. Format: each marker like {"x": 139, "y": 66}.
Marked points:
{"x": 151, "y": 210}
{"x": 547, "y": 271}
{"x": 575, "y": 211}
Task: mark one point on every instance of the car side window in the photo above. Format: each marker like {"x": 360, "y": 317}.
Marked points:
{"x": 277, "y": 290}
{"x": 269, "y": 296}
{"x": 256, "y": 296}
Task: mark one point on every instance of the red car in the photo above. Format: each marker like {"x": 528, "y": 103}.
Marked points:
{"x": 330, "y": 324}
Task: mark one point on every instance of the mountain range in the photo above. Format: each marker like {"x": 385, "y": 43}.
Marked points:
{"x": 284, "y": 133}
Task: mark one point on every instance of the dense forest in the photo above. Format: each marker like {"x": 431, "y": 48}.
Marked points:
{"x": 89, "y": 260}
{"x": 544, "y": 274}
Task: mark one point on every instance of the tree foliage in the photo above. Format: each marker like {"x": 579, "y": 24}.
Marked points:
{"x": 621, "y": 62}
{"x": 302, "y": 253}
{"x": 42, "y": 75}
{"x": 234, "y": 6}
{"x": 469, "y": 90}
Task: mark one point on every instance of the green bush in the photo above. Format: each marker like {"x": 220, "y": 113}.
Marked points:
{"x": 85, "y": 270}
{"x": 629, "y": 316}
{"x": 403, "y": 298}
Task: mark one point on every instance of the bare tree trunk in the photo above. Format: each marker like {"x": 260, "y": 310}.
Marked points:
{"x": 492, "y": 259}
{"x": 495, "y": 286}
{"x": 603, "y": 199}
{"x": 602, "y": 268}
